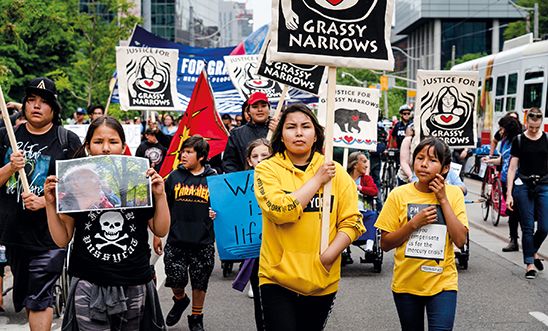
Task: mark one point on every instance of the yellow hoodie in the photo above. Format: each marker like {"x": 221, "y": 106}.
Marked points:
{"x": 290, "y": 250}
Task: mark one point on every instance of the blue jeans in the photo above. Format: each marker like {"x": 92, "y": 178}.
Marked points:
{"x": 532, "y": 207}
{"x": 440, "y": 310}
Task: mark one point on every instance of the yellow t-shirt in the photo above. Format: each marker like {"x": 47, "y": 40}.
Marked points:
{"x": 424, "y": 264}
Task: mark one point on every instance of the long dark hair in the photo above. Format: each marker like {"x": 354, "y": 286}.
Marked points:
{"x": 511, "y": 126}
{"x": 277, "y": 144}
{"x": 110, "y": 122}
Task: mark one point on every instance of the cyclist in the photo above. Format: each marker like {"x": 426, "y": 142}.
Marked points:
{"x": 398, "y": 132}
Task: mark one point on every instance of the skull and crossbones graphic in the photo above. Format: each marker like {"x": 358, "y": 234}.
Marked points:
{"x": 111, "y": 225}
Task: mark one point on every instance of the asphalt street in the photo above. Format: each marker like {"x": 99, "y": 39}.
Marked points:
{"x": 493, "y": 292}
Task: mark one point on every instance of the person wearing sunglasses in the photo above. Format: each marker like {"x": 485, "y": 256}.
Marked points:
{"x": 398, "y": 133}
{"x": 528, "y": 191}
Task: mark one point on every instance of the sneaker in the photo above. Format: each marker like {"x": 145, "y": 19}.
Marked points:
{"x": 250, "y": 292}
{"x": 538, "y": 264}
{"x": 531, "y": 274}
{"x": 177, "y": 310}
{"x": 196, "y": 322}
{"x": 512, "y": 246}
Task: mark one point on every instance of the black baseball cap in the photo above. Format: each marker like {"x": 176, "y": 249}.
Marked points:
{"x": 45, "y": 88}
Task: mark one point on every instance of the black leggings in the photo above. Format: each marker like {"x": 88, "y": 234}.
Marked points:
{"x": 285, "y": 310}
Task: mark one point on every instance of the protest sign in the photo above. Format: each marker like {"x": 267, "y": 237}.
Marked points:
{"x": 303, "y": 77}
{"x": 243, "y": 72}
{"x": 346, "y": 33}
{"x": 147, "y": 78}
{"x": 102, "y": 182}
{"x": 131, "y": 131}
{"x": 238, "y": 224}
{"x": 446, "y": 103}
{"x": 356, "y": 115}
{"x": 427, "y": 242}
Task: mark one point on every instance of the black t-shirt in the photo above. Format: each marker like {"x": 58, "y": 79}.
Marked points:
{"x": 154, "y": 152}
{"x": 399, "y": 132}
{"x": 22, "y": 227}
{"x": 532, "y": 154}
{"x": 111, "y": 247}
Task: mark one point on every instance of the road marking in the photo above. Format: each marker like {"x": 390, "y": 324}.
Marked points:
{"x": 542, "y": 317}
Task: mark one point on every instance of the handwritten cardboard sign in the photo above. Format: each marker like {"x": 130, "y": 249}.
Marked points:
{"x": 238, "y": 224}
{"x": 427, "y": 242}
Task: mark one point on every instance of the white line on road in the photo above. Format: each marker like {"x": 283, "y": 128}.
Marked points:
{"x": 542, "y": 317}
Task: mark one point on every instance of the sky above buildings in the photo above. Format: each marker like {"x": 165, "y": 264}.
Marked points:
{"x": 261, "y": 12}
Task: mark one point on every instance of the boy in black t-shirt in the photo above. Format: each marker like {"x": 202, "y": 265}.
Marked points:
{"x": 190, "y": 243}
{"x": 152, "y": 150}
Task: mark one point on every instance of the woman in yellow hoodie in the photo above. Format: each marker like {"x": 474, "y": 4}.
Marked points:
{"x": 296, "y": 281}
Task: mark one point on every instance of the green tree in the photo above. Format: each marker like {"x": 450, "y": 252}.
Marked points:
{"x": 465, "y": 58}
{"x": 518, "y": 28}
{"x": 73, "y": 45}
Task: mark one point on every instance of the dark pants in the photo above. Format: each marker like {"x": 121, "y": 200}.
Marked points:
{"x": 532, "y": 207}
{"x": 440, "y": 310}
{"x": 375, "y": 171}
{"x": 513, "y": 217}
{"x": 254, "y": 282}
{"x": 285, "y": 310}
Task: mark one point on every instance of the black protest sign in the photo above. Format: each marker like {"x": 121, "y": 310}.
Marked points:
{"x": 446, "y": 103}
{"x": 304, "y": 77}
{"x": 349, "y": 33}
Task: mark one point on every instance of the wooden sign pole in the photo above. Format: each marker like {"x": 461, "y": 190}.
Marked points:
{"x": 278, "y": 109}
{"x": 13, "y": 141}
{"x": 111, "y": 86}
{"x": 330, "y": 111}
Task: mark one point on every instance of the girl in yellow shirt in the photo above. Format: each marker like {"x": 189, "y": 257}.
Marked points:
{"x": 422, "y": 221}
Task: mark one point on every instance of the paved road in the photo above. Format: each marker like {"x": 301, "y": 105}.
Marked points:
{"x": 494, "y": 295}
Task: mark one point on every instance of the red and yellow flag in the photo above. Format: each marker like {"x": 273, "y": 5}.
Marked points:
{"x": 201, "y": 118}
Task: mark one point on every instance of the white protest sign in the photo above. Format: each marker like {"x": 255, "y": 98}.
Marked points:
{"x": 304, "y": 77}
{"x": 356, "y": 115}
{"x": 455, "y": 167}
{"x": 243, "y": 73}
{"x": 147, "y": 78}
{"x": 131, "y": 131}
{"x": 342, "y": 33}
{"x": 446, "y": 104}
{"x": 429, "y": 241}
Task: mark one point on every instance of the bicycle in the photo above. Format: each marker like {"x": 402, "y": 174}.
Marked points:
{"x": 491, "y": 192}
{"x": 389, "y": 178}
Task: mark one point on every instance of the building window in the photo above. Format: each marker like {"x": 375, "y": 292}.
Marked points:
{"x": 467, "y": 37}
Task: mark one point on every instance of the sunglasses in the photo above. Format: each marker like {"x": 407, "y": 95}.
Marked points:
{"x": 535, "y": 116}
{"x": 404, "y": 114}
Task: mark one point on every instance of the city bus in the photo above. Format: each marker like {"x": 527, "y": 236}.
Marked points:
{"x": 515, "y": 79}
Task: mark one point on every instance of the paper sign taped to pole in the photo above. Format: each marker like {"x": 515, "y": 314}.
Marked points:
{"x": 147, "y": 78}
{"x": 356, "y": 115}
{"x": 341, "y": 33}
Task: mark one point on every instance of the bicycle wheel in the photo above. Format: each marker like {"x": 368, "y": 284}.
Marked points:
{"x": 496, "y": 198}
{"x": 393, "y": 176}
{"x": 486, "y": 198}
{"x": 385, "y": 182}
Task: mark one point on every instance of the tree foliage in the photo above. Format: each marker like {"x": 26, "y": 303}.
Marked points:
{"x": 516, "y": 29}
{"x": 72, "y": 45}
{"x": 465, "y": 58}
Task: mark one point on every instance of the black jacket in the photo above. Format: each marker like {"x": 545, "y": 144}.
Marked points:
{"x": 239, "y": 139}
{"x": 188, "y": 200}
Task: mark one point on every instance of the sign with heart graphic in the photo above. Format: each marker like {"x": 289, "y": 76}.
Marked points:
{"x": 337, "y": 33}
{"x": 147, "y": 78}
{"x": 242, "y": 70}
{"x": 446, "y": 107}
{"x": 356, "y": 115}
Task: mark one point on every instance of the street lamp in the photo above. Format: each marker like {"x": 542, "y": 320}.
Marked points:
{"x": 362, "y": 83}
{"x": 535, "y": 18}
